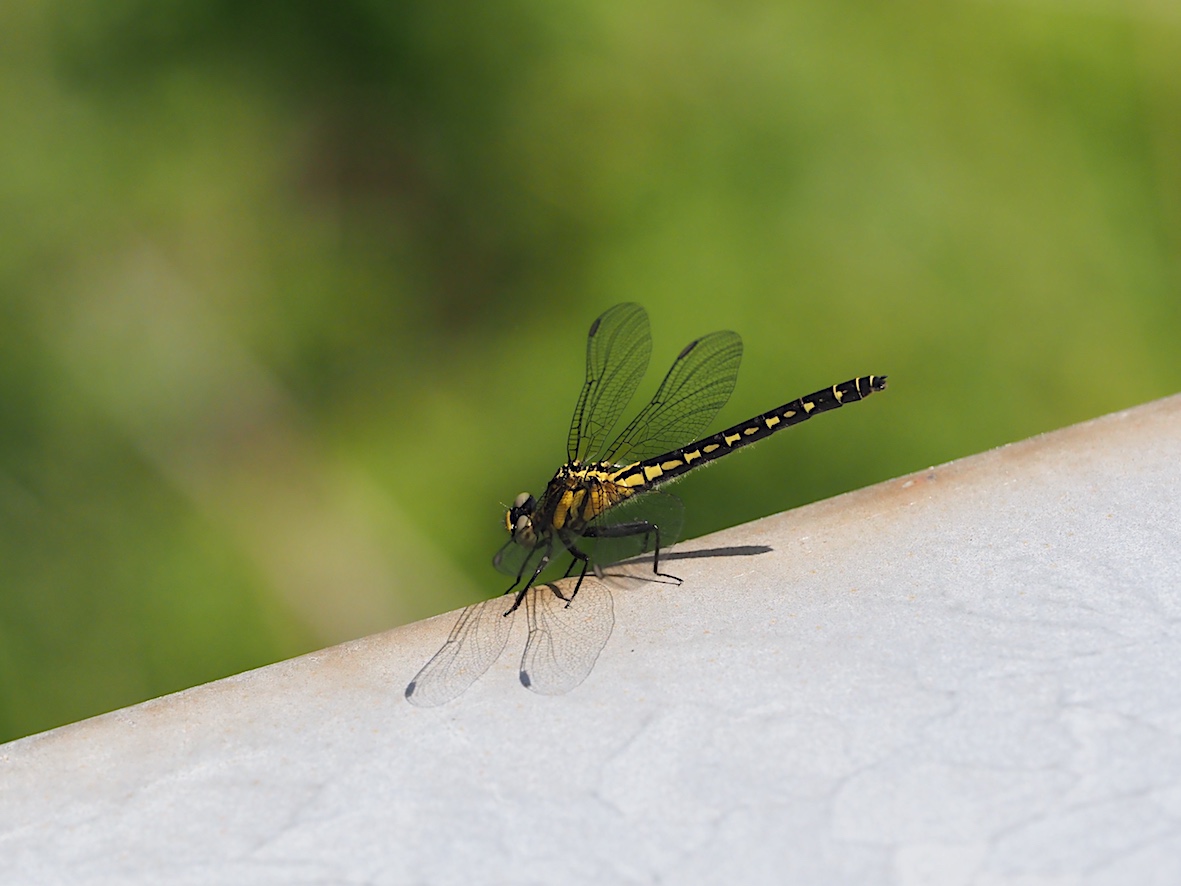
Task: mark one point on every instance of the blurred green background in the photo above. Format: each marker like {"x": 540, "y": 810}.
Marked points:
{"x": 294, "y": 295}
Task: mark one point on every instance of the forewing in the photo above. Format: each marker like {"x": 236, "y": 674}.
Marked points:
{"x": 565, "y": 641}
{"x": 617, "y": 351}
{"x": 475, "y": 642}
{"x": 697, "y": 386}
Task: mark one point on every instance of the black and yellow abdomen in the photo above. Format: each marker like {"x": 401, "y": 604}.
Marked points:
{"x": 671, "y": 465}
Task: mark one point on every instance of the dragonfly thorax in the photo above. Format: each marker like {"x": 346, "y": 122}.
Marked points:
{"x": 575, "y": 496}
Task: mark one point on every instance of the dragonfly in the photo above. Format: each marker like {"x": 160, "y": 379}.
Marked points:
{"x": 605, "y": 504}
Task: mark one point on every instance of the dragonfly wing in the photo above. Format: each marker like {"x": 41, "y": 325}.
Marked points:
{"x": 565, "y": 641}
{"x": 511, "y": 557}
{"x": 698, "y": 384}
{"x": 617, "y": 351}
{"x": 475, "y": 642}
{"x": 604, "y": 544}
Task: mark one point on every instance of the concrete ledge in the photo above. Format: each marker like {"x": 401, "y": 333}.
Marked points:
{"x": 968, "y": 675}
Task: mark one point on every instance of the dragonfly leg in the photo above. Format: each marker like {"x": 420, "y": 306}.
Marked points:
{"x": 541, "y": 564}
{"x": 639, "y": 527}
{"x": 520, "y": 573}
{"x": 577, "y": 556}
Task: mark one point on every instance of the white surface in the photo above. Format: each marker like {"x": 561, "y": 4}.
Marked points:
{"x": 967, "y": 676}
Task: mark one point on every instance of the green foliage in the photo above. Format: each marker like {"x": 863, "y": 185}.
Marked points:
{"x": 293, "y": 296}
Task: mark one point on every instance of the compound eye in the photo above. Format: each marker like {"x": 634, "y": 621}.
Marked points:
{"x": 521, "y": 500}
{"x": 523, "y": 524}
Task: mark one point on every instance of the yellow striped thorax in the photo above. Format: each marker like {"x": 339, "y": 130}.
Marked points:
{"x": 575, "y": 496}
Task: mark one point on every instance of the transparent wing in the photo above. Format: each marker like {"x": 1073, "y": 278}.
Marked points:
{"x": 475, "y": 642}
{"x": 617, "y": 350}
{"x": 511, "y": 557}
{"x": 659, "y": 508}
{"x": 697, "y": 386}
{"x": 565, "y": 641}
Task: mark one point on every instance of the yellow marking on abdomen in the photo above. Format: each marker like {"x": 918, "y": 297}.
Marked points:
{"x": 836, "y": 393}
{"x": 809, "y": 406}
{"x": 711, "y": 447}
{"x": 689, "y": 456}
{"x": 636, "y": 479}
{"x": 651, "y": 472}
{"x": 771, "y": 422}
{"x": 749, "y": 431}
{"x": 671, "y": 465}
{"x": 789, "y": 413}
{"x": 730, "y": 440}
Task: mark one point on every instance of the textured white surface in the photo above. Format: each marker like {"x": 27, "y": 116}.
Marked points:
{"x": 966, "y": 676}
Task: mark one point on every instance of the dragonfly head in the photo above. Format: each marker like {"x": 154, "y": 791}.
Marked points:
{"x": 519, "y": 519}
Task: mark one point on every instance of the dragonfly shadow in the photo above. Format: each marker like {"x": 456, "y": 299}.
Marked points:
{"x": 636, "y": 567}
{"x": 732, "y": 551}
{"x": 638, "y": 571}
